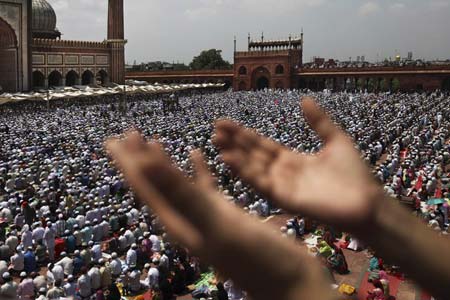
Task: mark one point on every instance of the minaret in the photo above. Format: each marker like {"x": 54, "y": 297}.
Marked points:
{"x": 301, "y": 36}
{"x": 301, "y": 50}
{"x": 234, "y": 43}
{"x": 116, "y": 41}
{"x": 262, "y": 41}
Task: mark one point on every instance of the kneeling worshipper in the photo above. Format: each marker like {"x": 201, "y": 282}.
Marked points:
{"x": 338, "y": 262}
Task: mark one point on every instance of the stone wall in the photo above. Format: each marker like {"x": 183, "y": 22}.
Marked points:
{"x": 67, "y": 56}
{"x": 17, "y": 14}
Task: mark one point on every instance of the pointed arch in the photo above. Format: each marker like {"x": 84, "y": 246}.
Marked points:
{"x": 261, "y": 78}
{"x": 9, "y": 77}
{"x": 54, "y": 79}
{"x": 8, "y": 38}
{"x": 102, "y": 77}
{"x": 72, "y": 78}
{"x": 279, "y": 70}
{"x": 38, "y": 80}
{"x": 87, "y": 78}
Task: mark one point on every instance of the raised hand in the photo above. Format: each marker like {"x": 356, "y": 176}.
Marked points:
{"x": 257, "y": 259}
{"x": 334, "y": 186}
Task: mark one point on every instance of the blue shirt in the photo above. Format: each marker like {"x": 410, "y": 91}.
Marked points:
{"x": 78, "y": 263}
{"x": 29, "y": 262}
{"x": 71, "y": 242}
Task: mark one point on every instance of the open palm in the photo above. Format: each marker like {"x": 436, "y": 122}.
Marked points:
{"x": 197, "y": 216}
{"x": 306, "y": 184}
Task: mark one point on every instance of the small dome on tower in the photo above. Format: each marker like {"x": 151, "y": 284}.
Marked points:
{"x": 44, "y": 20}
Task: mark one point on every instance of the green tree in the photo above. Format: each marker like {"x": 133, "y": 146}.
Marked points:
{"x": 180, "y": 67}
{"x": 361, "y": 84}
{"x": 372, "y": 84}
{"x": 209, "y": 60}
{"x": 395, "y": 85}
{"x": 384, "y": 85}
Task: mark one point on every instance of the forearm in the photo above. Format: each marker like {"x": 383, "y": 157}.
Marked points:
{"x": 266, "y": 265}
{"x": 401, "y": 239}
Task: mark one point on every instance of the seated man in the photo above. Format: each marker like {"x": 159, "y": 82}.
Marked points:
{"x": 338, "y": 262}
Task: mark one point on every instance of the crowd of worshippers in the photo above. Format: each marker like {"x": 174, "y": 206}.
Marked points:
{"x": 71, "y": 227}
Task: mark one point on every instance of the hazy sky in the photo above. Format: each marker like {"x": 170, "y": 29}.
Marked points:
{"x": 176, "y": 30}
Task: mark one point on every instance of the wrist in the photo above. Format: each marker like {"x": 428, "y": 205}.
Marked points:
{"x": 384, "y": 222}
{"x": 376, "y": 203}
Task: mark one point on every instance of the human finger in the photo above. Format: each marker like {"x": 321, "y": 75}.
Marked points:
{"x": 202, "y": 173}
{"x": 195, "y": 204}
{"x": 319, "y": 120}
{"x": 176, "y": 224}
{"x": 229, "y": 134}
{"x": 133, "y": 140}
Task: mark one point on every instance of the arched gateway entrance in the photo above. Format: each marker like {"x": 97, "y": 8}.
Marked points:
{"x": 87, "y": 78}
{"x": 8, "y": 58}
{"x": 262, "y": 83}
{"x": 38, "y": 80}
{"x": 260, "y": 78}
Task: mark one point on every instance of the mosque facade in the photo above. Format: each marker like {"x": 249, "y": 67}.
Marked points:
{"x": 33, "y": 55}
{"x": 278, "y": 64}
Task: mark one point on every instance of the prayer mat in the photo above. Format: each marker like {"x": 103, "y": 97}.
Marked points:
{"x": 144, "y": 296}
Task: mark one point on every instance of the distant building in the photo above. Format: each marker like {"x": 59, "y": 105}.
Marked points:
{"x": 268, "y": 64}
{"x": 278, "y": 64}
{"x": 33, "y": 56}
{"x": 410, "y": 56}
{"x": 319, "y": 61}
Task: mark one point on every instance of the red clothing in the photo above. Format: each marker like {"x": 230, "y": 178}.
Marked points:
{"x": 438, "y": 193}
{"x": 419, "y": 183}
{"x": 60, "y": 247}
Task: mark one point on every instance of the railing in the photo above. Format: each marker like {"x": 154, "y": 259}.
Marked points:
{"x": 377, "y": 69}
{"x": 181, "y": 73}
{"x": 296, "y": 42}
{"x": 68, "y": 44}
{"x": 261, "y": 53}
{"x": 313, "y": 71}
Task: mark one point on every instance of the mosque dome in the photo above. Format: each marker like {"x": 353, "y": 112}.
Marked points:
{"x": 44, "y": 20}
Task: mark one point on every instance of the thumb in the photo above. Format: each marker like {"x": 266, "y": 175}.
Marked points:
{"x": 202, "y": 173}
{"x": 319, "y": 120}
